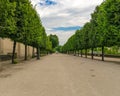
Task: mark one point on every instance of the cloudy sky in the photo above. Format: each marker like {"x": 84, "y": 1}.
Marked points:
{"x": 63, "y": 17}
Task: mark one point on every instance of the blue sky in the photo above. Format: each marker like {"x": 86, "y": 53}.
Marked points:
{"x": 47, "y": 3}
{"x": 63, "y": 17}
{"x": 69, "y": 28}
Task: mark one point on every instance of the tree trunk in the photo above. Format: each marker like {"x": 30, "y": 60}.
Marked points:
{"x": 75, "y": 53}
{"x": 67, "y": 52}
{"x": 102, "y": 52}
{"x": 25, "y": 52}
{"x": 85, "y": 53}
{"x": 81, "y": 52}
{"x": 33, "y": 52}
{"x": 13, "y": 54}
{"x": 72, "y": 52}
{"x": 38, "y": 53}
{"x": 92, "y": 55}
{"x": 47, "y": 52}
{"x": 78, "y": 52}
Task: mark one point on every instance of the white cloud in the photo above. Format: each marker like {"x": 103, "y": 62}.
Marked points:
{"x": 65, "y": 13}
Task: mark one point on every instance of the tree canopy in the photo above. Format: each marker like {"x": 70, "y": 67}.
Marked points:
{"x": 54, "y": 39}
{"x": 20, "y": 22}
{"x": 103, "y": 30}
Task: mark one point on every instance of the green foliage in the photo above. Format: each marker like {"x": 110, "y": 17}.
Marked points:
{"x": 20, "y": 22}
{"x": 102, "y": 30}
{"x": 15, "y": 62}
{"x": 7, "y": 22}
{"x": 54, "y": 40}
{"x": 58, "y": 48}
{"x": 48, "y": 44}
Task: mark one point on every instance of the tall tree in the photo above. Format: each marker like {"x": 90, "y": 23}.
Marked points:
{"x": 7, "y": 21}
{"x": 54, "y": 40}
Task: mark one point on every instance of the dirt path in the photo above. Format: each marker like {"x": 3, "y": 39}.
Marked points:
{"x": 61, "y": 75}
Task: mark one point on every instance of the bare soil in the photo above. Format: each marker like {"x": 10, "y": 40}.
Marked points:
{"x": 61, "y": 75}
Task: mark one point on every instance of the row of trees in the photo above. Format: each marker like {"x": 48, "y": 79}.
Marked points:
{"x": 103, "y": 30}
{"x": 54, "y": 39}
{"x": 53, "y": 42}
{"x": 20, "y": 22}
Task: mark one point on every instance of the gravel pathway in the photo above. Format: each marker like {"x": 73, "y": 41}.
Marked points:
{"x": 61, "y": 75}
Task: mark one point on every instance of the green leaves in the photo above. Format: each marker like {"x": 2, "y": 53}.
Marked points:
{"x": 102, "y": 30}
{"x": 54, "y": 40}
{"x": 7, "y": 22}
{"x": 19, "y": 21}
{"x": 48, "y": 44}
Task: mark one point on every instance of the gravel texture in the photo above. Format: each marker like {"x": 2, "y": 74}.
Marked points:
{"x": 61, "y": 75}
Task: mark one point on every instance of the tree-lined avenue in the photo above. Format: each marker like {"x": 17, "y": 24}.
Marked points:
{"x": 61, "y": 75}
